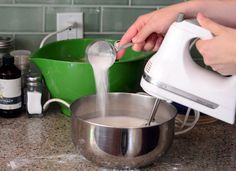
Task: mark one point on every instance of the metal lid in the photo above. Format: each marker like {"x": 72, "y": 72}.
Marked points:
{"x": 5, "y": 42}
{"x": 34, "y": 77}
{"x": 22, "y": 57}
{"x": 35, "y": 84}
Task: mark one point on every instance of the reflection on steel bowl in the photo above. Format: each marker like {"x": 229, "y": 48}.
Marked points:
{"x": 122, "y": 147}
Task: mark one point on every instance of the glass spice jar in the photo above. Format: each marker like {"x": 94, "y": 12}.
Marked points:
{"x": 34, "y": 95}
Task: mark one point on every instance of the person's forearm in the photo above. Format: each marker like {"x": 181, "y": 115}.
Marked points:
{"x": 223, "y": 12}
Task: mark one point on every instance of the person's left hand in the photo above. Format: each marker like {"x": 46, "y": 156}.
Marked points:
{"x": 220, "y": 52}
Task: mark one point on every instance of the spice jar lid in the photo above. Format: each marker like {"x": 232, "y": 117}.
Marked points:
{"x": 5, "y": 42}
{"x": 22, "y": 57}
{"x": 34, "y": 77}
{"x": 33, "y": 84}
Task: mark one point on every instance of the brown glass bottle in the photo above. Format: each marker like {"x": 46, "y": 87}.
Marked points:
{"x": 10, "y": 88}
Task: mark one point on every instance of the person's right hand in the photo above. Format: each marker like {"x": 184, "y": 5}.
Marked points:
{"x": 148, "y": 30}
{"x": 219, "y": 52}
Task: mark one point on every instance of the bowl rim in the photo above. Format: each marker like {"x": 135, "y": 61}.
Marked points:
{"x": 126, "y": 128}
{"x": 35, "y": 55}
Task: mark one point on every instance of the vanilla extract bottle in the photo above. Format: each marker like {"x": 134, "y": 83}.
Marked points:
{"x": 10, "y": 88}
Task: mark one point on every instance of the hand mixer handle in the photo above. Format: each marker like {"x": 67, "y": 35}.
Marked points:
{"x": 192, "y": 26}
{"x": 218, "y": 88}
{"x": 199, "y": 32}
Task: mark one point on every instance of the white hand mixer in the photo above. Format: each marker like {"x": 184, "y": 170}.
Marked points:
{"x": 171, "y": 74}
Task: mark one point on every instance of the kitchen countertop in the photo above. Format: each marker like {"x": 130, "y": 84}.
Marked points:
{"x": 45, "y": 144}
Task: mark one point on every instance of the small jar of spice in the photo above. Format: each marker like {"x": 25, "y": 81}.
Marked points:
{"x": 34, "y": 94}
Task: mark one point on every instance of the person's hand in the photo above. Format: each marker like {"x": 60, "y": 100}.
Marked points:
{"x": 148, "y": 30}
{"x": 220, "y": 52}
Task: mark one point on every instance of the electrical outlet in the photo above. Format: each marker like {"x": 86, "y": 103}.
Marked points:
{"x": 66, "y": 19}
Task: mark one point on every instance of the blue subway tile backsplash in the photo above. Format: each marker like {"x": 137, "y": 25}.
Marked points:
{"x": 102, "y": 2}
{"x": 154, "y": 2}
{"x": 120, "y": 23}
{"x": 91, "y": 17}
{"x": 43, "y": 1}
{"x": 21, "y": 19}
{"x": 28, "y": 21}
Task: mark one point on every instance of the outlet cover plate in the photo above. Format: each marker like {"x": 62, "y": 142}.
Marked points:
{"x": 66, "y": 19}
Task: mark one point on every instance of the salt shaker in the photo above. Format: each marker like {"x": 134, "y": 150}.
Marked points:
{"x": 34, "y": 94}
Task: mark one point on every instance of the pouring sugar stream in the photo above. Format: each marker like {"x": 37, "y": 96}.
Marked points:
{"x": 101, "y": 55}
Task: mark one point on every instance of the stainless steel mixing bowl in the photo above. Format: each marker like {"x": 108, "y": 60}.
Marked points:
{"x": 122, "y": 147}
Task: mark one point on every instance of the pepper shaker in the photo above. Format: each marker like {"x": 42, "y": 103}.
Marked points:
{"x": 34, "y": 94}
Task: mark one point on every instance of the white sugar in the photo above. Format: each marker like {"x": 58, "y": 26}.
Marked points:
{"x": 119, "y": 121}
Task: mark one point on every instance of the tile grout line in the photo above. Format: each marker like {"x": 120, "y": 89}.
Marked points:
{"x": 76, "y": 6}
{"x": 101, "y": 19}
{"x": 14, "y": 38}
{"x": 45, "y": 33}
{"x": 130, "y": 2}
{"x": 44, "y": 19}
{"x": 129, "y": 6}
{"x": 105, "y": 32}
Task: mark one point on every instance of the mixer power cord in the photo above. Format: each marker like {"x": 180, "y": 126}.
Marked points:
{"x": 73, "y": 25}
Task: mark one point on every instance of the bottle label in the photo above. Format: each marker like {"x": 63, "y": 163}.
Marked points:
{"x": 10, "y": 94}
